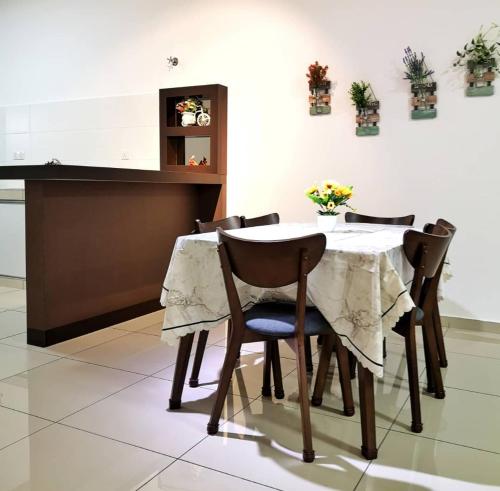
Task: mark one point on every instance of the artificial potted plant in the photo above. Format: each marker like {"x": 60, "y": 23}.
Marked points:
{"x": 480, "y": 56}
{"x": 187, "y": 109}
{"x": 423, "y": 86}
{"x": 330, "y": 196}
{"x": 319, "y": 86}
{"x": 363, "y": 98}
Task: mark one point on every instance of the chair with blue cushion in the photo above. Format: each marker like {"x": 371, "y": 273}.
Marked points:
{"x": 274, "y": 264}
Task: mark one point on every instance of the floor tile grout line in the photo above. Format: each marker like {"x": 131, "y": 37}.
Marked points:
{"x": 180, "y": 458}
{"x": 229, "y": 474}
{"x": 28, "y": 414}
{"x": 383, "y": 440}
{"x": 156, "y": 475}
{"x": 29, "y": 369}
{"x": 102, "y": 399}
{"x": 115, "y": 440}
{"x": 27, "y": 436}
{"x": 471, "y": 391}
{"x": 65, "y": 355}
{"x": 419, "y": 435}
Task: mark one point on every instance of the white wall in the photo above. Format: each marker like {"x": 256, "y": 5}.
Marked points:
{"x": 58, "y": 50}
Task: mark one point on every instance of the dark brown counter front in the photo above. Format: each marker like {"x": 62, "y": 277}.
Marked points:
{"x": 98, "y": 241}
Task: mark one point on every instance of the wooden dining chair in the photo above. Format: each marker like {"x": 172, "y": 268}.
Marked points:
{"x": 435, "y": 314}
{"x": 274, "y": 264}
{"x": 229, "y": 223}
{"x": 425, "y": 252}
{"x": 351, "y": 217}
{"x": 271, "y": 219}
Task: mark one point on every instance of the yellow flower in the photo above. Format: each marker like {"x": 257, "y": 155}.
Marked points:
{"x": 338, "y": 192}
{"x": 346, "y": 191}
{"x": 323, "y": 195}
{"x": 329, "y": 184}
{"x": 326, "y": 190}
{"x": 312, "y": 190}
{"x": 330, "y": 205}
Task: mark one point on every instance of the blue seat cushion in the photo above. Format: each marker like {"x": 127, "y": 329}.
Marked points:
{"x": 277, "y": 319}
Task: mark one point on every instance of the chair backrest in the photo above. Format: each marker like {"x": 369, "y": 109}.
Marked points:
{"x": 429, "y": 228}
{"x": 425, "y": 252}
{"x": 432, "y": 245}
{"x": 351, "y": 217}
{"x": 268, "y": 264}
{"x": 271, "y": 264}
{"x": 228, "y": 223}
{"x": 270, "y": 219}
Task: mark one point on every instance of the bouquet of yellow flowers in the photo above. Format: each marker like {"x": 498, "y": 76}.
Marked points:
{"x": 330, "y": 196}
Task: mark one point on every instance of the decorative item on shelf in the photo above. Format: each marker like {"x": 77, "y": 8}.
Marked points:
{"x": 319, "y": 87}
{"x": 367, "y": 117}
{"x": 480, "y": 56}
{"x": 192, "y": 162}
{"x": 193, "y": 112}
{"x": 423, "y": 86}
{"x": 330, "y": 196}
{"x": 53, "y": 161}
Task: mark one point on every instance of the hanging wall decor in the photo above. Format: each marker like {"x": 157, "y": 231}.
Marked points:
{"x": 481, "y": 56}
{"x": 319, "y": 87}
{"x": 367, "y": 107}
{"x": 423, "y": 86}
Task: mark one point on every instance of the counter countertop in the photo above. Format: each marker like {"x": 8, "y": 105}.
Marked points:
{"x": 84, "y": 173}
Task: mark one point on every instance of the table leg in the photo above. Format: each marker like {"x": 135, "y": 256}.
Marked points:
{"x": 181, "y": 365}
{"x": 367, "y": 408}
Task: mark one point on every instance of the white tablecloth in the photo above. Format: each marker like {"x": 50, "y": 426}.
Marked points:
{"x": 359, "y": 284}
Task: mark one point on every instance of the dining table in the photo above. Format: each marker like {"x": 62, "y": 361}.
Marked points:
{"x": 359, "y": 285}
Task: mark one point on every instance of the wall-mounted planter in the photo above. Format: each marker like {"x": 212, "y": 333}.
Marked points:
{"x": 367, "y": 119}
{"x": 424, "y": 100}
{"x": 480, "y": 78}
{"x": 320, "y": 98}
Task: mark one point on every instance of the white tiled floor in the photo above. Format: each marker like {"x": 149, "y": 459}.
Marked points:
{"x": 91, "y": 414}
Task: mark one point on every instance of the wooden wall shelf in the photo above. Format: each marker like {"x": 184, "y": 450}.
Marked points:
{"x": 174, "y": 144}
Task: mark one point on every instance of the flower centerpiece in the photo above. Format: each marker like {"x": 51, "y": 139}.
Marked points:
{"x": 330, "y": 196}
{"x": 188, "y": 110}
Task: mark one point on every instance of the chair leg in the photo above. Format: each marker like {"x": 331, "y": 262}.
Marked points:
{"x": 224, "y": 381}
{"x": 411, "y": 360}
{"x": 308, "y": 452}
{"x": 229, "y": 332}
{"x": 320, "y": 340}
{"x": 198, "y": 358}
{"x": 266, "y": 377}
{"x": 367, "y": 409}
{"x": 433, "y": 358}
{"x": 352, "y": 365}
{"x": 279, "y": 393}
{"x": 384, "y": 348}
{"x": 321, "y": 375}
{"x": 308, "y": 353}
{"x": 431, "y": 386}
{"x": 181, "y": 365}
{"x": 344, "y": 375}
{"x": 438, "y": 332}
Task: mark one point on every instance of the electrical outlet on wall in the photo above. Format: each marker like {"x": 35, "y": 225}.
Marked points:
{"x": 125, "y": 156}
{"x": 19, "y": 155}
